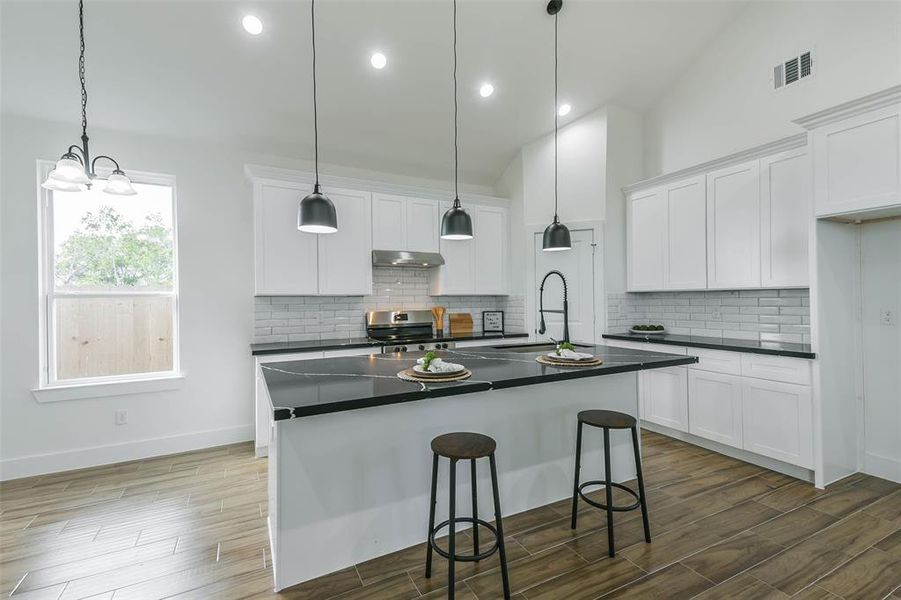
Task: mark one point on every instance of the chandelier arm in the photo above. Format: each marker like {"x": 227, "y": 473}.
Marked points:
{"x": 109, "y": 158}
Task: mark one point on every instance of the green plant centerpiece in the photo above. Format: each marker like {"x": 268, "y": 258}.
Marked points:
{"x": 564, "y": 346}
{"x": 427, "y": 360}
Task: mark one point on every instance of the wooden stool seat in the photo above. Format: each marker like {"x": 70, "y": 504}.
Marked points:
{"x": 463, "y": 445}
{"x": 607, "y": 418}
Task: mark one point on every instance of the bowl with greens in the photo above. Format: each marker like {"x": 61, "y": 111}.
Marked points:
{"x": 648, "y": 329}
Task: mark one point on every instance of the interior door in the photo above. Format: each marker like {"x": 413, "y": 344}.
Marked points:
{"x": 577, "y": 265}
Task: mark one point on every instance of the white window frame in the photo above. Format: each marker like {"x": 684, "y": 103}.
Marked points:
{"x": 49, "y": 389}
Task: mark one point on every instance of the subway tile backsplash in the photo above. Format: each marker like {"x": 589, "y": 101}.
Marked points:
{"x": 298, "y": 318}
{"x": 768, "y": 315}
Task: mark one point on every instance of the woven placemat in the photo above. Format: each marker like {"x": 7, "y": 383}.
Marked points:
{"x": 545, "y": 360}
{"x": 411, "y": 375}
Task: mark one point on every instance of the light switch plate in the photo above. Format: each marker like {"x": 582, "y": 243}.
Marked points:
{"x": 886, "y": 317}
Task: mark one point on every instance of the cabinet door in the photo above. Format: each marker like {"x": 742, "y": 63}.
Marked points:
{"x": 422, "y": 225}
{"x": 858, "y": 163}
{"x": 664, "y": 396}
{"x": 490, "y": 232}
{"x": 345, "y": 257}
{"x": 285, "y": 258}
{"x": 456, "y": 277}
{"x": 647, "y": 230}
{"x": 714, "y": 407}
{"x": 785, "y": 219}
{"x": 733, "y": 227}
{"x": 685, "y": 252}
{"x": 777, "y": 421}
{"x": 389, "y": 222}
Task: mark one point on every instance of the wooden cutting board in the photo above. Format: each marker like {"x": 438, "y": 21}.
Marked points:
{"x": 460, "y": 323}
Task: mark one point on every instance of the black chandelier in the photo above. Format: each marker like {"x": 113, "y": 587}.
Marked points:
{"x": 456, "y": 224}
{"x": 74, "y": 171}
{"x": 556, "y": 235}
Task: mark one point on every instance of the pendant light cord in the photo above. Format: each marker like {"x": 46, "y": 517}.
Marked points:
{"x": 456, "y": 151}
{"x": 81, "y": 77}
{"x": 556, "y": 218}
{"x": 315, "y": 107}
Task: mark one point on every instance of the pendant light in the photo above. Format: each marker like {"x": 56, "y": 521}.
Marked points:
{"x": 456, "y": 224}
{"x": 316, "y": 213}
{"x": 74, "y": 170}
{"x": 556, "y": 235}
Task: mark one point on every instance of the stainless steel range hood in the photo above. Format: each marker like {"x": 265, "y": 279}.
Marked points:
{"x": 402, "y": 258}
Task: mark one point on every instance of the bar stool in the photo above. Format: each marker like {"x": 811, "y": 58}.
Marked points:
{"x": 465, "y": 446}
{"x": 607, "y": 420}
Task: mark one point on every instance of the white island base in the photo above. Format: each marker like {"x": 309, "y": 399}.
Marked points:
{"x": 350, "y": 486}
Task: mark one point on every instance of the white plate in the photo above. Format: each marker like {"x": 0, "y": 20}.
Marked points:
{"x": 419, "y": 369}
{"x": 644, "y": 332}
{"x": 554, "y": 355}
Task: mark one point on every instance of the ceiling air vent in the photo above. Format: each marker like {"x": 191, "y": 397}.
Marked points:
{"x": 793, "y": 70}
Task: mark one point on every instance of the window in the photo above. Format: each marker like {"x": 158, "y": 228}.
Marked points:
{"x": 110, "y": 284}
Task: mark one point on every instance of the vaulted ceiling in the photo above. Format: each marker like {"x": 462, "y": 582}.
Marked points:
{"x": 188, "y": 69}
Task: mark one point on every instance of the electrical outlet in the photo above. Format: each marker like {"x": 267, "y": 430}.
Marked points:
{"x": 121, "y": 417}
{"x": 887, "y": 317}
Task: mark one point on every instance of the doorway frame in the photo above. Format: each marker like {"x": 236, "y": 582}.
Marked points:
{"x": 531, "y": 281}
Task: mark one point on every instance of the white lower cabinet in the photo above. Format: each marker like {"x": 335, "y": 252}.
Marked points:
{"x": 777, "y": 421}
{"x": 664, "y": 397}
{"x": 715, "y": 406}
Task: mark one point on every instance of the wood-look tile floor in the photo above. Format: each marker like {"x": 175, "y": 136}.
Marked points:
{"x": 193, "y": 526}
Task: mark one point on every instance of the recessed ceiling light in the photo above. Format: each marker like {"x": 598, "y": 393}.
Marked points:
{"x": 564, "y": 109}
{"x": 378, "y": 60}
{"x": 252, "y": 25}
{"x": 486, "y": 90}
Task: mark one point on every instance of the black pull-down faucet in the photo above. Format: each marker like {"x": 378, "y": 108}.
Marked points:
{"x": 541, "y": 326}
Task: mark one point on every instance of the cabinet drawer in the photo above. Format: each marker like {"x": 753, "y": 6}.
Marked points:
{"x": 665, "y": 348}
{"x": 776, "y": 368}
{"x": 718, "y": 361}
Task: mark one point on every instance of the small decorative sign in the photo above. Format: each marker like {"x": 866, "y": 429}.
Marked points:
{"x": 492, "y": 321}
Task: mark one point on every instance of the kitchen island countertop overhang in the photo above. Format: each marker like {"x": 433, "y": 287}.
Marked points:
{"x": 314, "y": 387}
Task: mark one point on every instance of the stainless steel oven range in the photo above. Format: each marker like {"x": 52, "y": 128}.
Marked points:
{"x": 403, "y": 330}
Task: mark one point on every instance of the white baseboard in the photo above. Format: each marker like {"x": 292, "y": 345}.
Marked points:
{"x": 80, "y": 458}
{"x": 879, "y": 465}
{"x": 750, "y": 457}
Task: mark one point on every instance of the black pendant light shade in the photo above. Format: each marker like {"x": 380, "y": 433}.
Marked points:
{"x": 316, "y": 213}
{"x": 556, "y": 235}
{"x": 456, "y": 224}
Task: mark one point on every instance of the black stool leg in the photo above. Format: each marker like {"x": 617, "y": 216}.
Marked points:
{"x": 499, "y": 523}
{"x": 475, "y": 510}
{"x": 576, "y": 476}
{"x": 432, "y": 501}
{"x": 609, "y": 492}
{"x": 451, "y": 529}
{"x": 641, "y": 496}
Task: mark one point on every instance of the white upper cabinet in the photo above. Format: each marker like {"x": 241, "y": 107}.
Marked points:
{"x": 647, "y": 229}
{"x": 404, "y": 223}
{"x": 477, "y": 266}
{"x": 389, "y": 222}
{"x": 733, "y": 227}
{"x": 345, "y": 257}
{"x": 422, "y": 225}
{"x": 785, "y": 219}
{"x": 685, "y": 251}
{"x": 289, "y": 262}
{"x": 286, "y": 259}
{"x": 857, "y": 163}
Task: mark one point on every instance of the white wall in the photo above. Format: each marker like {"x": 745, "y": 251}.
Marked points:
{"x": 215, "y": 237}
{"x": 880, "y": 252}
{"x": 725, "y": 102}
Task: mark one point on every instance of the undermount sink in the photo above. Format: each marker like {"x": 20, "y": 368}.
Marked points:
{"x": 534, "y": 347}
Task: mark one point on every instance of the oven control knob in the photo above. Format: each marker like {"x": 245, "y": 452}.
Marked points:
{"x": 403, "y": 349}
{"x": 421, "y": 347}
{"x": 444, "y": 346}
{"x": 397, "y": 348}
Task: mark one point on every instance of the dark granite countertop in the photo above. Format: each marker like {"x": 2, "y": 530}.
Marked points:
{"x": 312, "y": 387}
{"x": 362, "y": 342}
{"x": 733, "y": 345}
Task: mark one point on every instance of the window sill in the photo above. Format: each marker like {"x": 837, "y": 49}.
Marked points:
{"x": 60, "y": 393}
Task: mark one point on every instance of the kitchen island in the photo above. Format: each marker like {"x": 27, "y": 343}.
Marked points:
{"x": 349, "y": 457}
